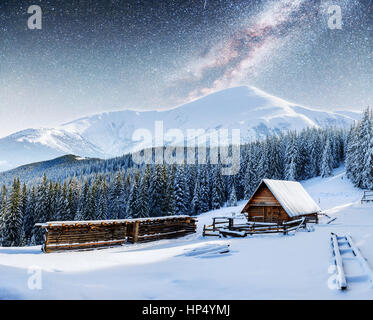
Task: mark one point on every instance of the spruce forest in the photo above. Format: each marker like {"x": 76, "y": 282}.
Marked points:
{"x": 117, "y": 188}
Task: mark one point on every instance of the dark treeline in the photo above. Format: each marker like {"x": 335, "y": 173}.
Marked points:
{"x": 64, "y": 168}
{"x": 122, "y": 190}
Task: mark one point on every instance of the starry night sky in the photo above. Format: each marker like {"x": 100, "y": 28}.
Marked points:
{"x": 103, "y": 55}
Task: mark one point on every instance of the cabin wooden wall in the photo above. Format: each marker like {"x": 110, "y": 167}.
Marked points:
{"x": 263, "y": 206}
{"x": 264, "y": 196}
{"x": 70, "y": 237}
{"x": 152, "y": 230}
{"x": 81, "y": 235}
{"x": 267, "y": 213}
{"x": 274, "y": 214}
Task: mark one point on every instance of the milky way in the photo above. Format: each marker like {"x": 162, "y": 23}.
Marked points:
{"x": 94, "y": 56}
{"x": 284, "y": 35}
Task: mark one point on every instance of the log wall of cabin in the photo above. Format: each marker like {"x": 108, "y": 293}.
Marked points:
{"x": 267, "y": 213}
{"x": 82, "y": 235}
{"x": 264, "y": 196}
{"x": 263, "y": 206}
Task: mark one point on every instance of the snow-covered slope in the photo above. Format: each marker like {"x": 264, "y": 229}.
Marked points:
{"x": 257, "y": 267}
{"x": 254, "y": 112}
{"x": 33, "y": 145}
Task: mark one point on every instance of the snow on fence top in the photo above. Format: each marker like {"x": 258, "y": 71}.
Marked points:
{"x": 96, "y": 222}
{"x": 292, "y": 196}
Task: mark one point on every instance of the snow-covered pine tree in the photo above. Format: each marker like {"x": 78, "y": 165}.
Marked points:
{"x": 118, "y": 200}
{"x": 337, "y": 149}
{"x": 221, "y": 185}
{"x": 232, "y": 202}
{"x": 351, "y": 162}
{"x": 250, "y": 174}
{"x": 258, "y": 173}
{"x": 367, "y": 173}
{"x": 92, "y": 205}
{"x": 132, "y": 204}
{"x": 204, "y": 197}
{"x": 58, "y": 210}
{"x": 240, "y": 177}
{"x": 276, "y": 159}
{"x": 181, "y": 191}
{"x": 191, "y": 176}
{"x": 24, "y": 204}
{"x": 102, "y": 200}
{"x": 51, "y": 200}
{"x": 3, "y": 213}
{"x": 196, "y": 207}
{"x": 169, "y": 200}
{"x": 73, "y": 198}
{"x": 84, "y": 213}
{"x": 157, "y": 192}
{"x": 310, "y": 151}
{"x": 327, "y": 160}
{"x": 215, "y": 197}
{"x": 29, "y": 218}
{"x": 142, "y": 198}
{"x": 13, "y": 218}
{"x": 358, "y": 151}
{"x": 365, "y": 137}
{"x": 303, "y": 143}
{"x": 42, "y": 213}
{"x": 24, "y": 199}
{"x": 65, "y": 213}
{"x": 291, "y": 157}
{"x": 264, "y": 164}
{"x": 217, "y": 188}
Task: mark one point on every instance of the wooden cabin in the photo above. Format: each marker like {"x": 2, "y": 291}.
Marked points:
{"x": 79, "y": 235}
{"x": 279, "y": 200}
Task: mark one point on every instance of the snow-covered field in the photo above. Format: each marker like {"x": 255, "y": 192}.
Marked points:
{"x": 258, "y": 267}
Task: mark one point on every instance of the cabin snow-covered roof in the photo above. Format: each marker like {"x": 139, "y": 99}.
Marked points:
{"x": 292, "y": 196}
{"x": 106, "y": 222}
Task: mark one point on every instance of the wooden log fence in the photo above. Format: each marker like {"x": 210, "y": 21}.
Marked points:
{"x": 341, "y": 277}
{"x": 79, "y": 235}
{"x": 367, "y": 196}
{"x": 363, "y": 262}
{"x": 226, "y": 227}
{"x": 346, "y": 253}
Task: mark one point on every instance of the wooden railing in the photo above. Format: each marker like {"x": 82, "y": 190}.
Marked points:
{"x": 228, "y": 228}
{"x": 367, "y": 196}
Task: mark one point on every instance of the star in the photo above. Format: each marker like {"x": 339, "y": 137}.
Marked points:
{"x": 150, "y": 55}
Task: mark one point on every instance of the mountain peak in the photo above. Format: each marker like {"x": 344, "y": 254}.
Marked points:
{"x": 253, "y": 111}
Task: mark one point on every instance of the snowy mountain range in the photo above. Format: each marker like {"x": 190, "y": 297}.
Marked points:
{"x": 105, "y": 135}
